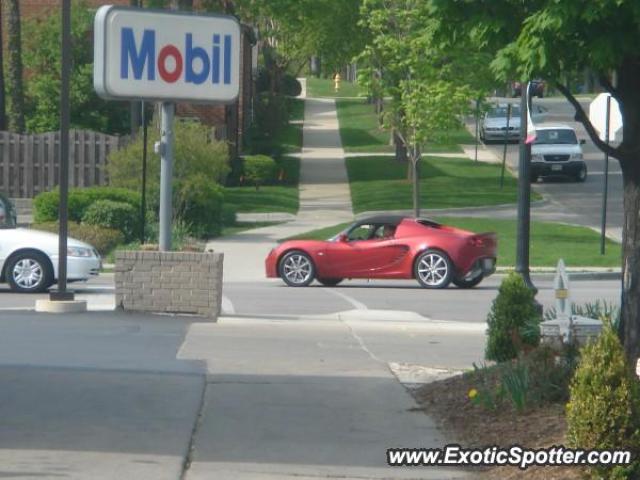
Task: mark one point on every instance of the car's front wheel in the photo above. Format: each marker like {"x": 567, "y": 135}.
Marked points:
{"x": 581, "y": 176}
{"x": 330, "y": 282}
{"x": 29, "y": 272}
{"x": 296, "y": 269}
{"x": 433, "y": 269}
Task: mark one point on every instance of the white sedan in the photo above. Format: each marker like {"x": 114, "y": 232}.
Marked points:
{"x": 29, "y": 258}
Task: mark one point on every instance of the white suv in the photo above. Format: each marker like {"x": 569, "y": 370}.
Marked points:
{"x": 29, "y": 258}
{"x": 557, "y": 151}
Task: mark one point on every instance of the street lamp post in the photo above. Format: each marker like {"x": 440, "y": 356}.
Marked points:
{"x": 524, "y": 194}
{"x": 61, "y": 294}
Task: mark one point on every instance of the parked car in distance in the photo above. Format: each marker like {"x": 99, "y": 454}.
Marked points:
{"x": 388, "y": 247}
{"x": 557, "y": 151}
{"x": 494, "y": 124}
{"x": 537, "y": 88}
{"x": 29, "y": 258}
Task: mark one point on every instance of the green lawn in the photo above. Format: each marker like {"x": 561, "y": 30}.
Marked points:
{"x": 271, "y": 198}
{"x": 380, "y": 183}
{"x": 360, "y": 131}
{"x": 578, "y": 246}
{"x": 325, "y": 87}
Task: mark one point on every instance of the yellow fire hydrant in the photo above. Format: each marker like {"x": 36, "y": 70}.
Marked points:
{"x": 336, "y": 81}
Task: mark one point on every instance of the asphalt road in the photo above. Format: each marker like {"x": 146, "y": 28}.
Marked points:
{"x": 398, "y": 299}
{"x": 581, "y": 202}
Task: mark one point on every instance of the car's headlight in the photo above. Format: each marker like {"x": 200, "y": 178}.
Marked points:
{"x": 79, "y": 252}
{"x": 537, "y": 158}
{"x": 576, "y": 156}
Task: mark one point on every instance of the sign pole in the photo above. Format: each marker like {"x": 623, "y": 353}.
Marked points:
{"x": 166, "y": 174}
{"x": 605, "y": 180}
{"x": 143, "y": 202}
{"x": 504, "y": 150}
{"x": 61, "y": 293}
{"x": 477, "y": 122}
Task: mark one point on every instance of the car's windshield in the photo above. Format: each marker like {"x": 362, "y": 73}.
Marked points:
{"x": 556, "y": 136}
{"x": 501, "y": 112}
{"x": 7, "y": 215}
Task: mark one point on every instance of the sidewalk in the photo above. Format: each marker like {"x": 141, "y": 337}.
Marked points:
{"x": 325, "y": 198}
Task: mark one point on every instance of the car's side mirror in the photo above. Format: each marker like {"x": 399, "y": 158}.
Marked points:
{"x": 582, "y": 141}
{"x": 343, "y": 237}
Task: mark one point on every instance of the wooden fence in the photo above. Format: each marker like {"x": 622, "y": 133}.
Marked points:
{"x": 29, "y": 164}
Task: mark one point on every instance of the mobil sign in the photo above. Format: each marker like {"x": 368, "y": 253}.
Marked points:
{"x": 142, "y": 54}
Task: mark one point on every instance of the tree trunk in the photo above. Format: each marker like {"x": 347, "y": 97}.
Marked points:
{"x": 3, "y": 108}
{"x": 401, "y": 149}
{"x": 630, "y": 308}
{"x": 16, "y": 89}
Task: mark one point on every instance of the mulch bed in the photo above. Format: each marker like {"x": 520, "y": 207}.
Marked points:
{"x": 448, "y": 403}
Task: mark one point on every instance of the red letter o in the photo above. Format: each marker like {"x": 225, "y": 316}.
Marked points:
{"x": 169, "y": 51}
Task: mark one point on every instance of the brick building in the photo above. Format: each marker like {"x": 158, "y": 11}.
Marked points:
{"x": 230, "y": 122}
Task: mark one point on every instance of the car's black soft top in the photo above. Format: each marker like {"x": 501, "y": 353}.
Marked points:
{"x": 395, "y": 220}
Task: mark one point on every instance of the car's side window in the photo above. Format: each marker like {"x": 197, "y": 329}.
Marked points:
{"x": 361, "y": 232}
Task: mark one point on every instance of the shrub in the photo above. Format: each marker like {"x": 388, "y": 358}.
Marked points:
{"x": 117, "y": 215}
{"x": 228, "y": 215}
{"x": 290, "y": 86}
{"x": 604, "y": 407}
{"x": 198, "y": 203}
{"x": 512, "y": 321}
{"x": 46, "y": 204}
{"x": 102, "y": 239}
{"x": 259, "y": 169}
{"x": 196, "y": 154}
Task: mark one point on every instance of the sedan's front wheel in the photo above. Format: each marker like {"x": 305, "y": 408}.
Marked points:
{"x": 29, "y": 272}
{"x": 297, "y": 269}
{"x": 433, "y": 269}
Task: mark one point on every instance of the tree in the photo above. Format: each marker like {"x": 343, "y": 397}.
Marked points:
{"x": 524, "y": 39}
{"x": 16, "y": 88}
{"x": 427, "y": 95}
{"x": 42, "y": 59}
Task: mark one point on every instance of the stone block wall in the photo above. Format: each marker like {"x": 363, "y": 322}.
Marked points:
{"x": 170, "y": 282}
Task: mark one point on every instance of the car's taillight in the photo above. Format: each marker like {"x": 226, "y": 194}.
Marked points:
{"x": 477, "y": 241}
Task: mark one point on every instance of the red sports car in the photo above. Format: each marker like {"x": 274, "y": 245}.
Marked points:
{"x": 389, "y": 247}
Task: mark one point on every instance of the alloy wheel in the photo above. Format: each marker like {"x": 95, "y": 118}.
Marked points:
{"x": 27, "y": 273}
{"x": 433, "y": 270}
{"x": 297, "y": 269}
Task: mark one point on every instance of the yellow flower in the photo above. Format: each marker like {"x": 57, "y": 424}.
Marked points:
{"x": 473, "y": 393}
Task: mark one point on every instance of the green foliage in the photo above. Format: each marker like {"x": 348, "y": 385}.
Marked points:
{"x": 600, "y": 309}
{"x": 515, "y": 382}
{"x": 604, "y": 408}
{"x": 46, "y": 204}
{"x": 259, "y": 170}
{"x": 290, "y": 86}
{"x": 116, "y": 215}
{"x": 42, "y": 60}
{"x": 228, "y": 215}
{"x": 510, "y": 319}
{"x": 102, "y": 239}
{"x": 199, "y": 204}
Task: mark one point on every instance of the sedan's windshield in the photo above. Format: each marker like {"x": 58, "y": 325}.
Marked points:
{"x": 556, "y": 136}
{"x": 7, "y": 215}
{"x": 501, "y": 112}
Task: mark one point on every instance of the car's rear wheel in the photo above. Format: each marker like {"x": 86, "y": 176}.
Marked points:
{"x": 330, "y": 282}
{"x": 433, "y": 269}
{"x": 29, "y": 272}
{"x": 581, "y": 176}
{"x": 296, "y": 269}
{"x": 462, "y": 283}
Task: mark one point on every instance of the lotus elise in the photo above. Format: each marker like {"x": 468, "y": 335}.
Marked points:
{"x": 388, "y": 247}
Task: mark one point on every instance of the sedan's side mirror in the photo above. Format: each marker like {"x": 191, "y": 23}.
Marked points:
{"x": 582, "y": 141}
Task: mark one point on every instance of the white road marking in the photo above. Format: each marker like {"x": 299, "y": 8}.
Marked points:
{"x": 227, "y": 306}
{"x": 356, "y": 304}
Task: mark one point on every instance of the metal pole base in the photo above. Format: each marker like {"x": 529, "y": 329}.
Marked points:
{"x": 61, "y": 296}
